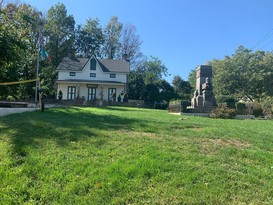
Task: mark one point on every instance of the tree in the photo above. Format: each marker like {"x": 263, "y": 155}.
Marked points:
{"x": 89, "y": 38}
{"x": 166, "y": 91}
{"x": 18, "y": 30}
{"x": 153, "y": 70}
{"x": 112, "y": 33}
{"x": 182, "y": 88}
{"x": 59, "y": 39}
{"x": 59, "y": 32}
{"x": 244, "y": 74}
{"x": 146, "y": 79}
{"x": 192, "y": 78}
{"x": 130, "y": 44}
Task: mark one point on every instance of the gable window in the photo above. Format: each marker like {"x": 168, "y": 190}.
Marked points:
{"x": 93, "y": 75}
{"x": 93, "y": 64}
{"x": 72, "y": 74}
{"x": 112, "y": 75}
{"x": 71, "y": 92}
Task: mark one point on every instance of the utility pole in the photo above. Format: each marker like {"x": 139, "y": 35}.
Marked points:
{"x": 38, "y": 63}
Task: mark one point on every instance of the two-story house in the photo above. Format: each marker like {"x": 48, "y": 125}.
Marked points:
{"x": 92, "y": 78}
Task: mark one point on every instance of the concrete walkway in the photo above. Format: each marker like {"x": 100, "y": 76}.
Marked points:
{"x": 8, "y": 111}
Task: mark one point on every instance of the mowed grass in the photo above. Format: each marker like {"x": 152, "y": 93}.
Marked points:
{"x": 118, "y": 155}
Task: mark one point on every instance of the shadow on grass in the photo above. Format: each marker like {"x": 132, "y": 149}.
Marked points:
{"x": 62, "y": 125}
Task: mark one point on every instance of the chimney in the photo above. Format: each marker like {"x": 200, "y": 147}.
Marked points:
{"x": 125, "y": 57}
{"x": 69, "y": 53}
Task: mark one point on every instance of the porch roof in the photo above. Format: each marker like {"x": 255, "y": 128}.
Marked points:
{"x": 89, "y": 82}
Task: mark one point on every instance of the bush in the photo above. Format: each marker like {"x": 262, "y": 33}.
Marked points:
{"x": 267, "y": 106}
{"x": 256, "y": 108}
{"x": 228, "y": 100}
{"x": 241, "y": 109}
{"x": 223, "y": 113}
{"x": 10, "y": 98}
{"x": 224, "y": 98}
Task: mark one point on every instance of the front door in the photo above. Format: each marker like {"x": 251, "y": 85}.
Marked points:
{"x": 112, "y": 91}
{"x": 91, "y": 93}
{"x": 71, "y": 93}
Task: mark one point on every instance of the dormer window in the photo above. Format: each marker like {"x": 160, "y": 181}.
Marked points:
{"x": 93, "y": 64}
{"x": 112, "y": 75}
{"x": 72, "y": 74}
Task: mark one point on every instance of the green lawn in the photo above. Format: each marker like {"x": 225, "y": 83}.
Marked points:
{"x": 133, "y": 156}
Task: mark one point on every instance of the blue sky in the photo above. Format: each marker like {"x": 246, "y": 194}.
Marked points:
{"x": 182, "y": 33}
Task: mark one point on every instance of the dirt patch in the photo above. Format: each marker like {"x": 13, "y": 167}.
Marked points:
{"x": 230, "y": 142}
{"x": 213, "y": 146}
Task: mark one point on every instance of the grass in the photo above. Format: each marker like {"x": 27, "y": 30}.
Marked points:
{"x": 120, "y": 155}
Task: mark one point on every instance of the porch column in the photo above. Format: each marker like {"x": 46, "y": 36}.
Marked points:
{"x": 78, "y": 90}
{"x": 101, "y": 92}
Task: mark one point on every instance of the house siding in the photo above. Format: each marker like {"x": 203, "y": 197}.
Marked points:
{"x": 82, "y": 81}
{"x": 85, "y": 75}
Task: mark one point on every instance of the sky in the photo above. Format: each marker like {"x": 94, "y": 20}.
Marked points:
{"x": 183, "y": 34}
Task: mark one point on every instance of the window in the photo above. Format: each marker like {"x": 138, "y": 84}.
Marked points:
{"x": 93, "y": 64}
{"x": 93, "y": 75}
{"x": 112, "y": 94}
{"x": 112, "y": 75}
{"x": 91, "y": 93}
{"x": 72, "y": 74}
{"x": 71, "y": 92}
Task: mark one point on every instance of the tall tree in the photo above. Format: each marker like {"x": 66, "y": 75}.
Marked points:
{"x": 131, "y": 43}
{"x": 192, "y": 78}
{"x": 89, "y": 38}
{"x": 112, "y": 33}
{"x": 19, "y": 30}
{"x": 146, "y": 80}
{"x": 244, "y": 74}
{"x": 182, "y": 88}
{"x": 154, "y": 70}
{"x": 59, "y": 32}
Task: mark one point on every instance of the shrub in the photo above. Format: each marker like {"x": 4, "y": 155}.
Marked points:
{"x": 224, "y": 98}
{"x": 256, "y": 108}
{"x": 10, "y": 98}
{"x": 241, "y": 109}
{"x": 267, "y": 106}
{"x": 223, "y": 112}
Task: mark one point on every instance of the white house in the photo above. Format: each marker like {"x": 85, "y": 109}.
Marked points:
{"x": 92, "y": 78}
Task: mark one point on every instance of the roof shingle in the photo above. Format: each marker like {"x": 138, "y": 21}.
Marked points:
{"x": 107, "y": 65}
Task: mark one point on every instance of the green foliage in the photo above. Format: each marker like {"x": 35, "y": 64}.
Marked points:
{"x": 116, "y": 155}
{"x": 182, "y": 88}
{"x": 223, "y": 112}
{"x": 192, "y": 78}
{"x": 244, "y": 74}
{"x": 241, "y": 109}
{"x": 89, "y": 38}
{"x": 18, "y": 31}
{"x": 256, "y": 108}
{"x": 59, "y": 29}
{"x": 10, "y": 98}
{"x": 146, "y": 82}
{"x": 267, "y": 106}
{"x": 224, "y": 98}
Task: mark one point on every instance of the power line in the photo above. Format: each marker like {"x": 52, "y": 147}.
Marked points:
{"x": 264, "y": 38}
{"x": 266, "y": 45}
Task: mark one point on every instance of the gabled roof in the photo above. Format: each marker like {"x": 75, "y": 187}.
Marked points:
{"x": 107, "y": 65}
